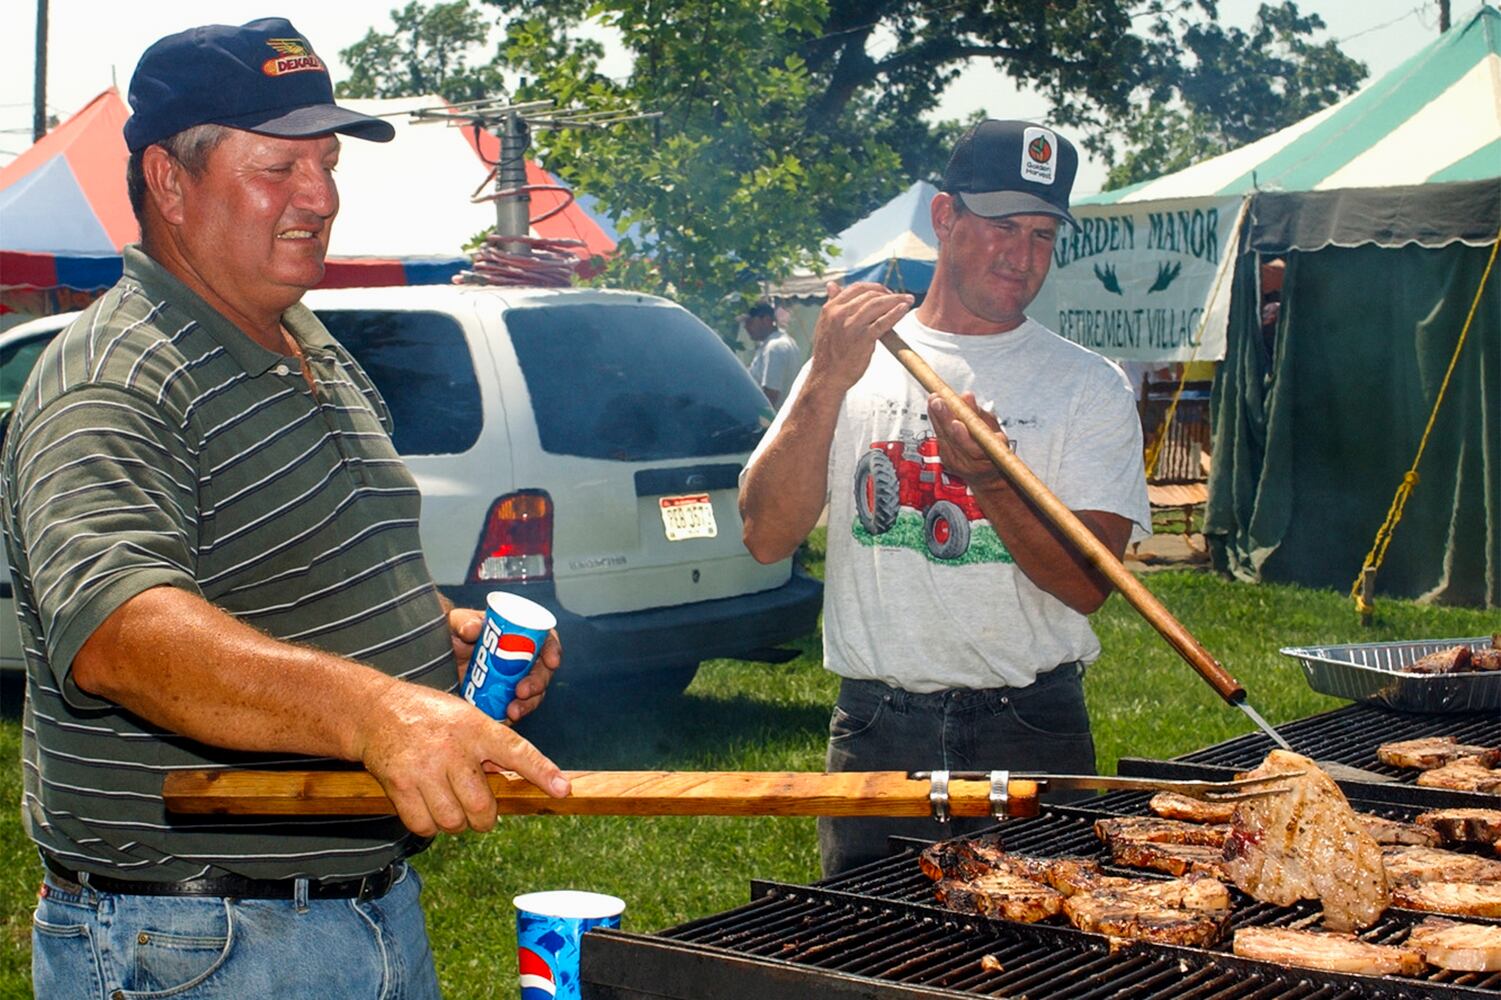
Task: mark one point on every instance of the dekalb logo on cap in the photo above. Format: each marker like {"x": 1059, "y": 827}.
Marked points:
{"x": 1038, "y": 162}
{"x": 295, "y": 56}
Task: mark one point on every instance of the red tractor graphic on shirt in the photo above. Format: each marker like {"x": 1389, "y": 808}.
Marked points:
{"x": 893, "y": 475}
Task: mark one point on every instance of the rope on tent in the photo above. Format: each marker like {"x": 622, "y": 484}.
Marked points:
{"x": 893, "y": 270}
{"x": 1388, "y": 527}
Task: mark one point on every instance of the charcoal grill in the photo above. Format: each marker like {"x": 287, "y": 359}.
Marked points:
{"x": 877, "y": 933}
{"x": 1348, "y": 735}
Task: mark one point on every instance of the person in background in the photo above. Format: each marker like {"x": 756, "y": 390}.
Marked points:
{"x": 777, "y": 357}
{"x": 960, "y": 632}
{"x": 217, "y": 564}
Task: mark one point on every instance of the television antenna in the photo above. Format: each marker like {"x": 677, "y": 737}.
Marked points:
{"x": 512, "y": 125}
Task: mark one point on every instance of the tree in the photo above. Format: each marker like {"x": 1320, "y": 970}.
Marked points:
{"x": 1237, "y": 88}
{"x": 428, "y": 53}
{"x": 783, "y": 121}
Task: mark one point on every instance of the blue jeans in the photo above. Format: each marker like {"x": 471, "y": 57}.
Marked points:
{"x": 106, "y": 946}
{"x": 1041, "y": 727}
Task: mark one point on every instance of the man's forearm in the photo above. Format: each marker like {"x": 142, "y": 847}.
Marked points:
{"x": 176, "y": 660}
{"x": 1044, "y": 554}
{"x": 784, "y": 490}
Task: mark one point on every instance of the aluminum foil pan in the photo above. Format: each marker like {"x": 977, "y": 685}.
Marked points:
{"x": 1373, "y": 671}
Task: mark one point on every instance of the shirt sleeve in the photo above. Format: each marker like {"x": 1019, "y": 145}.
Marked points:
{"x": 106, "y": 500}
{"x": 783, "y": 367}
{"x": 1102, "y": 465}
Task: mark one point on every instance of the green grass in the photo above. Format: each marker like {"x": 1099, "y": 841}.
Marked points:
{"x": 751, "y": 716}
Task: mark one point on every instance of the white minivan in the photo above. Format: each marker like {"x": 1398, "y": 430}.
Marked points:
{"x": 580, "y": 447}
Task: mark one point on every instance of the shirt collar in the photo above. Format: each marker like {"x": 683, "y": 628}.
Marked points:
{"x": 161, "y": 285}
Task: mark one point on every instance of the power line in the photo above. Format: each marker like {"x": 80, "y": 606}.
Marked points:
{"x": 1366, "y": 31}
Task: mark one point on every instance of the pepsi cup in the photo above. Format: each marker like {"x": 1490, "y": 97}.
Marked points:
{"x": 514, "y": 631}
{"x": 550, "y": 927}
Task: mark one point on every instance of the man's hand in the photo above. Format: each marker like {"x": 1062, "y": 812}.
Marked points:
{"x": 850, "y": 323}
{"x": 960, "y": 453}
{"x": 466, "y": 623}
{"x": 431, "y": 751}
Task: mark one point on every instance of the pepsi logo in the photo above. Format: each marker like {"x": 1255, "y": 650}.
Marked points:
{"x": 537, "y": 981}
{"x": 516, "y": 647}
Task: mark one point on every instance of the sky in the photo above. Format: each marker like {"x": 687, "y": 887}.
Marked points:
{"x": 94, "y": 44}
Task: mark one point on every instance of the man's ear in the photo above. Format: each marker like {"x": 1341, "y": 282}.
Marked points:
{"x": 942, "y": 212}
{"x": 164, "y": 178}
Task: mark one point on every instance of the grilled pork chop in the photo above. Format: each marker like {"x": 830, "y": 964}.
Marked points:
{"x": 1306, "y": 843}
{"x": 1432, "y": 864}
{"x": 1443, "y": 661}
{"x": 1463, "y": 776}
{"x": 1154, "y": 830}
{"x": 1460, "y": 899}
{"x": 1429, "y": 752}
{"x": 1394, "y": 831}
{"x": 1322, "y": 950}
{"x": 1001, "y": 894}
{"x": 1459, "y": 946}
{"x": 1130, "y": 914}
{"x": 1175, "y": 859}
{"x": 1464, "y": 826}
{"x": 1175, "y": 805}
{"x": 961, "y": 859}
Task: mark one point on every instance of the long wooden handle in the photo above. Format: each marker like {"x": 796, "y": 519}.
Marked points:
{"x": 1083, "y": 540}
{"x": 600, "y": 793}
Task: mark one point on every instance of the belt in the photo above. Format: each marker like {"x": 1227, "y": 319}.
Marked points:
{"x": 372, "y": 886}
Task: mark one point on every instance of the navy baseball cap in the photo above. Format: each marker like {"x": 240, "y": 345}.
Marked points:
{"x": 1012, "y": 168}
{"x": 262, "y": 76}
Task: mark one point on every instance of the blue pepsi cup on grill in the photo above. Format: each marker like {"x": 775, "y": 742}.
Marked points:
{"x": 550, "y": 927}
{"x": 512, "y": 636}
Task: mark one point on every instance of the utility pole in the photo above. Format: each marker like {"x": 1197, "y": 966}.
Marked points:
{"x": 39, "y": 88}
{"x": 1443, "y": 16}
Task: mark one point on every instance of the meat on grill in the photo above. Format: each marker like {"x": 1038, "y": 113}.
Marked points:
{"x": 1326, "y": 951}
{"x": 1462, "y": 947}
{"x": 1175, "y": 805}
{"x": 1003, "y": 895}
{"x": 961, "y": 859}
{"x": 1394, "y": 831}
{"x": 1175, "y": 859}
{"x": 1439, "y": 881}
{"x": 1463, "y": 776}
{"x": 1154, "y": 830}
{"x": 1133, "y": 912}
{"x": 1306, "y": 843}
{"x": 1429, "y": 752}
{"x": 1460, "y": 899}
{"x": 1432, "y": 864}
{"x": 1464, "y": 826}
{"x": 1444, "y": 661}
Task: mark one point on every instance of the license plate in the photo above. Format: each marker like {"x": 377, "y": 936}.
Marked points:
{"x": 688, "y": 517}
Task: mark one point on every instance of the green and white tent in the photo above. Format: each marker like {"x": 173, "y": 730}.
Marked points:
{"x": 1386, "y": 212}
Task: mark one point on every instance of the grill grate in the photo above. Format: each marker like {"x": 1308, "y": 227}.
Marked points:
{"x": 1349, "y": 735}
{"x": 881, "y": 925}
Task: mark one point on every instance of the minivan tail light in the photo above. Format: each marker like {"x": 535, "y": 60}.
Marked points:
{"x": 516, "y": 545}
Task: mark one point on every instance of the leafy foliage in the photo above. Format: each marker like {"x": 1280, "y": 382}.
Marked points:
{"x": 783, "y": 121}
{"x": 428, "y": 53}
{"x": 1237, "y": 87}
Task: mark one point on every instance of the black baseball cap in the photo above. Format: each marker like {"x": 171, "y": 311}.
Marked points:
{"x": 1012, "y": 168}
{"x": 262, "y": 76}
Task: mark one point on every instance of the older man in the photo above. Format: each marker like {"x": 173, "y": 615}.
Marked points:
{"x": 217, "y": 563}
{"x": 959, "y": 629}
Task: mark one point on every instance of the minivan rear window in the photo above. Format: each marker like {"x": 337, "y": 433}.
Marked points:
{"x": 420, "y": 363}
{"x": 633, "y": 383}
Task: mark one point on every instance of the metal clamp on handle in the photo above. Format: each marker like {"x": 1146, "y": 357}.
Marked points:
{"x": 1000, "y": 794}
{"x": 938, "y": 795}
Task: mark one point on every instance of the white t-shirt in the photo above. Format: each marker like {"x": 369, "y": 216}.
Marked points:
{"x": 896, "y": 612}
{"x": 776, "y": 362}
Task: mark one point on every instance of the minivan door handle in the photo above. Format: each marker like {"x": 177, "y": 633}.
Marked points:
{"x": 687, "y": 478}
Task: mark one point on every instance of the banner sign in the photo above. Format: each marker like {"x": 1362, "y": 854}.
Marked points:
{"x": 1144, "y": 282}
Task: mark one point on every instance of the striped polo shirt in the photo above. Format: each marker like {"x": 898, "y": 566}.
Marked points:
{"x": 156, "y": 444}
